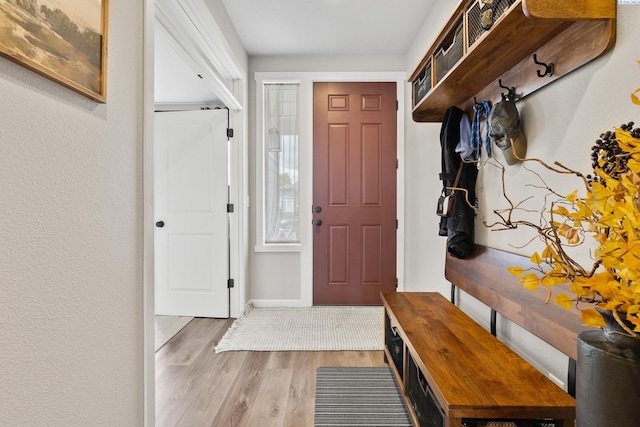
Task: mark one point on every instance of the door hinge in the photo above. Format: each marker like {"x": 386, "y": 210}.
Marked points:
{"x": 396, "y": 224}
{"x": 231, "y": 283}
{"x": 397, "y": 105}
{"x": 396, "y": 283}
{"x": 397, "y": 163}
{"x": 230, "y": 207}
{"x": 229, "y": 133}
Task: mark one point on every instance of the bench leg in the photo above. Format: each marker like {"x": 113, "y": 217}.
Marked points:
{"x": 452, "y": 422}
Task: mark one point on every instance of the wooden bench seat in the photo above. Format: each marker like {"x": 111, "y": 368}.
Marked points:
{"x": 471, "y": 373}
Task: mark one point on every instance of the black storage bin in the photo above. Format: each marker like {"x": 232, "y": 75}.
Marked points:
{"x": 425, "y": 406}
{"x": 395, "y": 345}
{"x": 422, "y": 84}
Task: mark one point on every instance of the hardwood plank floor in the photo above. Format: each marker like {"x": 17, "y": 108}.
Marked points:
{"x": 197, "y": 387}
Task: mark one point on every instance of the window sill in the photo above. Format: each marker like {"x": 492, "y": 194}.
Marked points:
{"x": 278, "y": 247}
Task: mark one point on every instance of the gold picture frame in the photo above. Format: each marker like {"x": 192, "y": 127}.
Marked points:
{"x": 63, "y": 40}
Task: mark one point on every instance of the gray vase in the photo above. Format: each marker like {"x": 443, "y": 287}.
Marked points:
{"x": 608, "y": 377}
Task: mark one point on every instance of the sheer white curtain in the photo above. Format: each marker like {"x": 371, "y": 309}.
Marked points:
{"x": 281, "y": 130}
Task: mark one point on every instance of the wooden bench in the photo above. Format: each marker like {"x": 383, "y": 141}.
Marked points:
{"x": 484, "y": 276}
{"x": 453, "y": 372}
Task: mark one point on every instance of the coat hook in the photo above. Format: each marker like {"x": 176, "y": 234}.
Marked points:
{"x": 548, "y": 68}
{"x": 511, "y": 95}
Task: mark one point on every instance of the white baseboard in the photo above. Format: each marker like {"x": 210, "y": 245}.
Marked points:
{"x": 277, "y": 303}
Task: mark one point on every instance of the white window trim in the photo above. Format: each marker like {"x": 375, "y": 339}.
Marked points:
{"x": 261, "y": 246}
{"x": 306, "y": 80}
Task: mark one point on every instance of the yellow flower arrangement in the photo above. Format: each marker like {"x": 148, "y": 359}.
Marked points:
{"x": 610, "y": 214}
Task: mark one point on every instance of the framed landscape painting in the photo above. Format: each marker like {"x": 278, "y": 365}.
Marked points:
{"x": 64, "y": 40}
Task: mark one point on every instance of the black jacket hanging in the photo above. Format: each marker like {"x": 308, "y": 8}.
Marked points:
{"x": 459, "y": 226}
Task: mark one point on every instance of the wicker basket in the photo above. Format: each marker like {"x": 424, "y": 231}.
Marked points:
{"x": 422, "y": 84}
{"x": 449, "y": 53}
{"x": 475, "y": 27}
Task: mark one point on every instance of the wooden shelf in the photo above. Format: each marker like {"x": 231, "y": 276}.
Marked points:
{"x": 568, "y": 34}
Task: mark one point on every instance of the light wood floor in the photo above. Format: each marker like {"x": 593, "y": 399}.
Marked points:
{"x": 196, "y": 387}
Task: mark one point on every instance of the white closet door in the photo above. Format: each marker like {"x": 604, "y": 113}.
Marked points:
{"x": 191, "y": 234}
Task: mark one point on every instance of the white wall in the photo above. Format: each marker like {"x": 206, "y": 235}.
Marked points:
{"x": 71, "y": 242}
{"x": 560, "y": 121}
{"x": 425, "y": 250}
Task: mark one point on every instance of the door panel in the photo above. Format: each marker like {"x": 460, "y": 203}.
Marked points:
{"x": 189, "y": 259}
{"x": 371, "y": 254}
{"x": 355, "y": 187}
{"x": 338, "y": 165}
{"x": 339, "y": 255}
{"x": 371, "y": 170}
{"x": 191, "y": 248}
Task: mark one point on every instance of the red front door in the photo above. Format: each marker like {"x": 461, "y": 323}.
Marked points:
{"x": 354, "y": 192}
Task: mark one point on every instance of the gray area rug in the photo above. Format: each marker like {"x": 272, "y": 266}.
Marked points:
{"x": 306, "y": 329}
{"x": 358, "y": 397}
{"x": 167, "y": 327}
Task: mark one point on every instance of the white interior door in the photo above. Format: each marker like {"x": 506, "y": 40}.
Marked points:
{"x": 191, "y": 193}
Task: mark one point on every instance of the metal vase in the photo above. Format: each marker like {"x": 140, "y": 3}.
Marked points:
{"x": 608, "y": 378}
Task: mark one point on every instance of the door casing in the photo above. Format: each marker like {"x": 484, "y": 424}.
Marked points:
{"x": 305, "y": 249}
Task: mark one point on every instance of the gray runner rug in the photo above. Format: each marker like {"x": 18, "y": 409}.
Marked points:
{"x": 358, "y": 397}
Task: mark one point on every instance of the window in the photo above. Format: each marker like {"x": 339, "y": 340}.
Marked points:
{"x": 281, "y": 156}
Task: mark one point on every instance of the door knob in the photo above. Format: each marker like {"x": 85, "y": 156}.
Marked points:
{"x": 160, "y": 224}
{"x": 316, "y": 222}
{"x": 317, "y": 209}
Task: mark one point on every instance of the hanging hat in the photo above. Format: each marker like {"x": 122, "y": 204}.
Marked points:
{"x": 505, "y": 132}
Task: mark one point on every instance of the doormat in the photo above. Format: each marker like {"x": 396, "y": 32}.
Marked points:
{"x": 358, "y": 397}
{"x": 306, "y": 329}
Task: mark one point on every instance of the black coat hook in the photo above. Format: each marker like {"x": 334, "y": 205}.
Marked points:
{"x": 511, "y": 94}
{"x": 548, "y": 68}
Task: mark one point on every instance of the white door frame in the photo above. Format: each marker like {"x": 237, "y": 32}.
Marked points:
{"x": 306, "y": 80}
{"x": 238, "y": 196}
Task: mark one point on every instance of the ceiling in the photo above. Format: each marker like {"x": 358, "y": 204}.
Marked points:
{"x": 327, "y": 27}
{"x": 297, "y": 27}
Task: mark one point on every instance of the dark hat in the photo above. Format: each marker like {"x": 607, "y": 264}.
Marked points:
{"x": 504, "y": 130}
